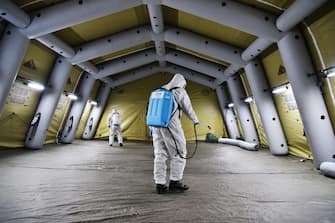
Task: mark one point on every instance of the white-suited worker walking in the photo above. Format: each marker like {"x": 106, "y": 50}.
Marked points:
{"x": 114, "y": 125}
{"x": 165, "y": 140}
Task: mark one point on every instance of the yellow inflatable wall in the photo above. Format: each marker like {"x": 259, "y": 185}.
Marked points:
{"x": 132, "y": 100}
{"x": 286, "y": 106}
{"x": 22, "y": 101}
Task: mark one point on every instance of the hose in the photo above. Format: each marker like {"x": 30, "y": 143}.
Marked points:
{"x": 244, "y": 145}
{"x": 195, "y": 148}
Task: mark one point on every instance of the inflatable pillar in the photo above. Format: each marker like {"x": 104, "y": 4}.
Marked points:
{"x": 13, "y": 47}
{"x": 47, "y": 104}
{"x": 314, "y": 114}
{"x": 227, "y": 113}
{"x": 13, "y": 14}
{"x": 238, "y": 95}
{"x": 77, "y": 108}
{"x": 266, "y": 108}
{"x": 157, "y": 25}
{"x": 93, "y": 120}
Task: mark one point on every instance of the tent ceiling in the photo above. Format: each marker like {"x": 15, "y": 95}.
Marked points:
{"x": 118, "y": 76}
{"x": 207, "y": 28}
{"x": 123, "y": 52}
{"x": 197, "y": 54}
{"x": 138, "y": 16}
{"x": 104, "y": 26}
{"x": 267, "y": 5}
{"x": 273, "y": 6}
{"x": 32, "y": 5}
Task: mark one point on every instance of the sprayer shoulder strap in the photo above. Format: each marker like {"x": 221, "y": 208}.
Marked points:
{"x": 178, "y": 106}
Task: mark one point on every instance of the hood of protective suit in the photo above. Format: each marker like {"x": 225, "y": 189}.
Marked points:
{"x": 178, "y": 80}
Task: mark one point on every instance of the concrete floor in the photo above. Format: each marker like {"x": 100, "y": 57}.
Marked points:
{"x": 89, "y": 181}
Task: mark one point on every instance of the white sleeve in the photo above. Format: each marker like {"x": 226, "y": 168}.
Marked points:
{"x": 109, "y": 119}
{"x": 185, "y": 104}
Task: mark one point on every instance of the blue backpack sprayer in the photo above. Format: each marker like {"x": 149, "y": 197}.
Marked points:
{"x": 160, "y": 111}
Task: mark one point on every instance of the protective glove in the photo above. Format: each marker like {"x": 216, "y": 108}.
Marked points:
{"x": 109, "y": 126}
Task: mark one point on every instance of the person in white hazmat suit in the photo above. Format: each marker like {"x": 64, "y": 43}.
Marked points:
{"x": 165, "y": 144}
{"x": 114, "y": 125}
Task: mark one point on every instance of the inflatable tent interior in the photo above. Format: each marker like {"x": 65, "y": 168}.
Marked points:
{"x": 260, "y": 76}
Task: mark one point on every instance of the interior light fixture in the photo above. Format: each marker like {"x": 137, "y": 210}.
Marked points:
{"x": 72, "y": 96}
{"x": 94, "y": 103}
{"x": 230, "y": 105}
{"x": 36, "y": 86}
{"x": 324, "y": 73}
{"x": 280, "y": 89}
{"x": 248, "y": 99}
{"x": 330, "y": 72}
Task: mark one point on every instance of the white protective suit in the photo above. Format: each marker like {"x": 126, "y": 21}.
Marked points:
{"x": 164, "y": 145}
{"x": 114, "y": 125}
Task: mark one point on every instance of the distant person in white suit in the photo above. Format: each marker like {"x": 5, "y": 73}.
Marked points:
{"x": 114, "y": 125}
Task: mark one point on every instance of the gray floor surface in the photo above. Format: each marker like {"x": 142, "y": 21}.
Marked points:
{"x": 88, "y": 181}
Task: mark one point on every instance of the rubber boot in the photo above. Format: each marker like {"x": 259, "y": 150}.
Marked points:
{"x": 177, "y": 187}
{"x": 161, "y": 189}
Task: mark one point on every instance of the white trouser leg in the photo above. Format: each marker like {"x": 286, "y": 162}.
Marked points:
{"x": 166, "y": 142}
{"x": 160, "y": 158}
{"x": 111, "y": 136}
{"x": 119, "y": 134}
{"x": 177, "y": 164}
